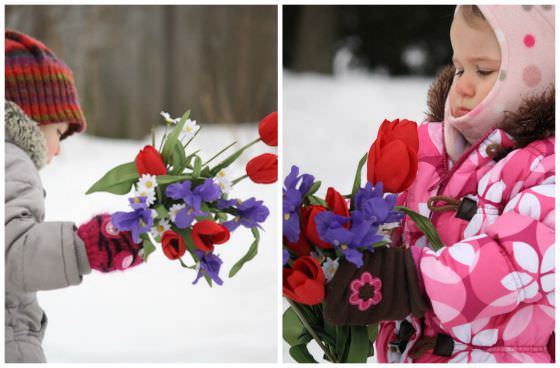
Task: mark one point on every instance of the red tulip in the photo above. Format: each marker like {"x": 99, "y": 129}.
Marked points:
{"x": 268, "y": 129}
{"x": 304, "y": 282}
{"x": 309, "y": 226}
{"x": 300, "y": 247}
{"x": 149, "y": 161}
{"x": 173, "y": 245}
{"x": 337, "y": 203}
{"x": 263, "y": 169}
{"x": 392, "y": 158}
{"x": 206, "y": 233}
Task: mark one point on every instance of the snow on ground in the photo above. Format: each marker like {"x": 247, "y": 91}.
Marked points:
{"x": 330, "y": 123}
{"x": 152, "y": 313}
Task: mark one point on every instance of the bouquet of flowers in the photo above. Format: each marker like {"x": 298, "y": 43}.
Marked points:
{"x": 319, "y": 233}
{"x": 182, "y": 203}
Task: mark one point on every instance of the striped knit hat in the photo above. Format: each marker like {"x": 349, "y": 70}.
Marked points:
{"x": 40, "y": 83}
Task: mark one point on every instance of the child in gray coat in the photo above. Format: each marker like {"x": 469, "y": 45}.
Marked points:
{"x": 41, "y": 109}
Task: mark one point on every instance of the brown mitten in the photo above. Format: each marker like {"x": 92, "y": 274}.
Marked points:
{"x": 384, "y": 288}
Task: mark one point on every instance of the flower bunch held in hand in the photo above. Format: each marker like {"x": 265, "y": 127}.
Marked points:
{"x": 183, "y": 204}
{"x": 321, "y": 232}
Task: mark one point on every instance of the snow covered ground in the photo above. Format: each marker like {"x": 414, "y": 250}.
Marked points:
{"x": 330, "y": 123}
{"x": 152, "y": 313}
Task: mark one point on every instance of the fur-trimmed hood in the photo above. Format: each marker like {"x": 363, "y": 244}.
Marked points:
{"x": 25, "y": 133}
{"x": 533, "y": 121}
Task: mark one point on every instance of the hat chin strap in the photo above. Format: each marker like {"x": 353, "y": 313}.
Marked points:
{"x": 455, "y": 143}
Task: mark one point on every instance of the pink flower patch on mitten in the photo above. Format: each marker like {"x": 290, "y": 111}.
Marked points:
{"x": 365, "y": 291}
{"x": 107, "y": 248}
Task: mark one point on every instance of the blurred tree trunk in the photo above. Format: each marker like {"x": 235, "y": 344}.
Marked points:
{"x": 131, "y": 62}
{"x": 316, "y": 38}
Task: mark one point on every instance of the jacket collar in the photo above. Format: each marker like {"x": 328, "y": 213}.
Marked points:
{"x": 25, "y": 133}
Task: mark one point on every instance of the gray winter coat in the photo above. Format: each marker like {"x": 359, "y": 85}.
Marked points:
{"x": 39, "y": 255}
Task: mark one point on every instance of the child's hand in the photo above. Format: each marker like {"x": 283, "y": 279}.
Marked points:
{"x": 107, "y": 248}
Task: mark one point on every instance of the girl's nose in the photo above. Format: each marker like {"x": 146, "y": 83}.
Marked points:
{"x": 464, "y": 86}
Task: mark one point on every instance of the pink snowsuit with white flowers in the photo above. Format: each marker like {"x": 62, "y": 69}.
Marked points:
{"x": 491, "y": 287}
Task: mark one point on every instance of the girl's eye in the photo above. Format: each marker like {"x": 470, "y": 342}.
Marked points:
{"x": 484, "y": 72}
{"x": 458, "y": 72}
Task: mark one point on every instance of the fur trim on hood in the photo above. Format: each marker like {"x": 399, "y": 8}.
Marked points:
{"x": 533, "y": 121}
{"x": 25, "y": 133}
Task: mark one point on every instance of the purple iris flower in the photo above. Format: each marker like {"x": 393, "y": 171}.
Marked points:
{"x": 179, "y": 190}
{"x": 285, "y": 256}
{"x": 186, "y": 216}
{"x": 209, "y": 264}
{"x": 291, "y": 201}
{"x": 208, "y": 191}
{"x": 137, "y": 222}
{"x": 222, "y": 204}
{"x": 361, "y": 235}
{"x": 374, "y": 206}
{"x": 249, "y": 214}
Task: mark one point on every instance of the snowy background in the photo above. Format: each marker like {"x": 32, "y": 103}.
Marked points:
{"x": 152, "y": 313}
{"x": 331, "y": 121}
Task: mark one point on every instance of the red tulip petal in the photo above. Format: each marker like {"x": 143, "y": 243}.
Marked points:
{"x": 311, "y": 292}
{"x": 393, "y": 167}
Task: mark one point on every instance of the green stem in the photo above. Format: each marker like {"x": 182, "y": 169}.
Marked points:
{"x": 190, "y": 140}
{"x": 153, "y": 131}
{"x": 219, "y": 153}
{"x": 310, "y": 329}
{"x": 163, "y": 138}
{"x": 239, "y": 179}
{"x": 250, "y": 144}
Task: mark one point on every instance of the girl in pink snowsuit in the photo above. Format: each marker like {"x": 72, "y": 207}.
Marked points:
{"x": 486, "y": 180}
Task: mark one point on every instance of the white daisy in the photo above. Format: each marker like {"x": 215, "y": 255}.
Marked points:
{"x": 147, "y": 182}
{"x": 149, "y": 194}
{"x": 189, "y": 129}
{"x": 329, "y": 268}
{"x": 161, "y": 227}
{"x": 174, "y": 210}
{"x": 225, "y": 185}
{"x": 168, "y": 119}
{"x": 224, "y": 174}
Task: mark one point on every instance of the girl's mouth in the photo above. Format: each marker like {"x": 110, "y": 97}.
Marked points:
{"x": 460, "y": 111}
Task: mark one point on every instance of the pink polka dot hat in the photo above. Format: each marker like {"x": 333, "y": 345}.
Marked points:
{"x": 525, "y": 34}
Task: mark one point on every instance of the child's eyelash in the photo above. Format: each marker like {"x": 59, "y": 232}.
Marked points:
{"x": 485, "y": 72}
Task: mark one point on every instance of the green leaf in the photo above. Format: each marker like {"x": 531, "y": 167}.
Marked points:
{"x": 317, "y": 201}
{"x": 373, "y": 330}
{"x": 148, "y": 247}
{"x": 162, "y": 212}
{"x": 193, "y": 267}
{"x": 251, "y": 253}
{"x": 358, "y": 176}
{"x": 197, "y": 167}
{"x": 118, "y": 180}
{"x": 225, "y": 163}
{"x": 342, "y": 336}
{"x": 205, "y": 173}
{"x": 221, "y": 216}
{"x": 169, "y": 179}
{"x": 178, "y": 158}
{"x": 301, "y": 354}
{"x": 234, "y": 156}
{"x": 425, "y": 225}
{"x": 359, "y": 345}
{"x": 315, "y": 187}
{"x": 292, "y": 328}
{"x": 172, "y": 139}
